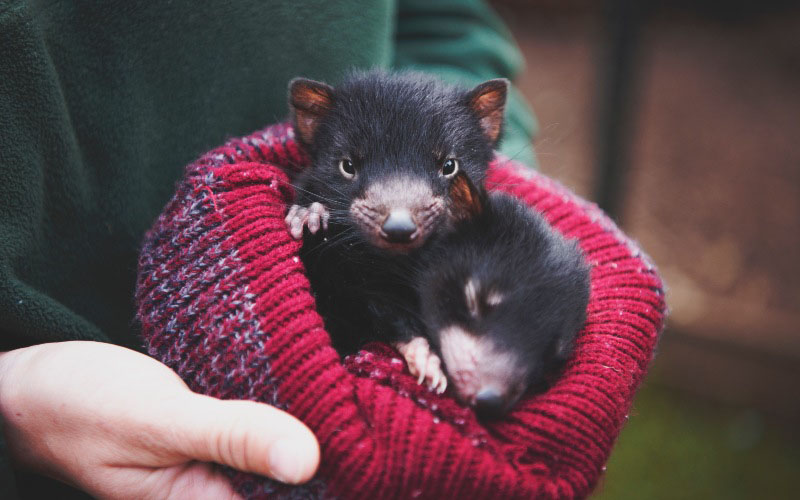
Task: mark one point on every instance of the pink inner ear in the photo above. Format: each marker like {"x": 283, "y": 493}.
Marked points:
{"x": 306, "y": 125}
{"x": 489, "y": 108}
{"x": 311, "y": 101}
{"x": 314, "y": 97}
{"x": 316, "y": 100}
{"x": 491, "y": 125}
{"x": 308, "y": 118}
{"x": 306, "y": 121}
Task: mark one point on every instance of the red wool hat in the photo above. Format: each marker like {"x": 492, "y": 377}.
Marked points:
{"x": 223, "y": 301}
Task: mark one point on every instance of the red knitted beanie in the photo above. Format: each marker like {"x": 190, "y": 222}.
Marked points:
{"x": 223, "y": 301}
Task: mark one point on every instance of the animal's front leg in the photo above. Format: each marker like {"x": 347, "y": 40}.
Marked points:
{"x": 423, "y": 363}
{"x": 314, "y": 216}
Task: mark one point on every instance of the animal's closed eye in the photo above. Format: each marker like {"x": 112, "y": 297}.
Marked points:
{"x": 494, "y": 298}
{"x": 471, "y": 296}
{"x": 480, "y": 302}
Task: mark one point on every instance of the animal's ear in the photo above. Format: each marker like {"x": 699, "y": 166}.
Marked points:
{"x": 309, "y": 101}
{"x": 466, "y": 201}
{"x": 488, "y": 101}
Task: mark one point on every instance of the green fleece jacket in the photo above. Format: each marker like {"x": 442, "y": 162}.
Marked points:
{"x": 103, "y": 103}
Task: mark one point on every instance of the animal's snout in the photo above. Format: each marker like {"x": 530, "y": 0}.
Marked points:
{"x": 399, "y": 226}
{"x": 489, "y": 403}
{"x": 398, "y": 213}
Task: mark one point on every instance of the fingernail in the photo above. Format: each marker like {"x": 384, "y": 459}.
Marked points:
{"x": 287, "y": 460}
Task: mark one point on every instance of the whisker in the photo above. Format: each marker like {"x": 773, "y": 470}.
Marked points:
{"x": 329, "y": 202}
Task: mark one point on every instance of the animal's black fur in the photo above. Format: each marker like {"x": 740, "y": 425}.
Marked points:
{"x": 543, "y": 279}
{"x": 388, "y": 124}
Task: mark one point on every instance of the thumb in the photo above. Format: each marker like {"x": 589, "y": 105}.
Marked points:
{"x": 248, "y": 436}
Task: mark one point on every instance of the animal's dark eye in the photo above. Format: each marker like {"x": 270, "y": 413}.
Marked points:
{"x": 449, "y": 167}
{"x": 347, "y": 168}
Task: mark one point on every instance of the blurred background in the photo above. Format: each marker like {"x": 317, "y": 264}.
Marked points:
{"x": 682, "y": 119}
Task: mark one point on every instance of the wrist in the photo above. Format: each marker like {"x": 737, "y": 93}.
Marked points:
{"x": 9, "y": 363}
{"x": 19, "y": 373}
{"x": 10, "y": 403}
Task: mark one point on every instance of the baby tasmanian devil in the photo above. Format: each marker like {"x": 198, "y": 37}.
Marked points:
{"x": 384, "y": 151}
{"x": 502, "y": 297}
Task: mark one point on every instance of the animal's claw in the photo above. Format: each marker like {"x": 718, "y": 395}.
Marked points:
{"x": 423, "y": 364}
{"x": 313, "y": 217}
{"x": 443, "y": 386}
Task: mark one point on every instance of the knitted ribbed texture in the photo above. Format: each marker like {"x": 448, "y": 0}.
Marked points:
{"x": 223, "y": 301}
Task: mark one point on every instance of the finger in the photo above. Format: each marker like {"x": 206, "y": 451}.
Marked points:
{"x": 325, "y": 216}
{"x": 298, "y": 222}
{"x": 313, "y": 222}
{"x": 316, "y": 214}
{"x": 434, "y": 369}
{"x": 421, "y": 372}
{"x": 433, "y": 362}
{"x": 423, "y": 359}
{"x": 195, "y": 480}
{"x": 247, "y": 436}
{"x": 291, "y": 214}
{"x": 434, "y": 381}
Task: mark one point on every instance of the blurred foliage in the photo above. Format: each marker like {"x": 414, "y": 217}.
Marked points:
{"x": 676, "y": 447}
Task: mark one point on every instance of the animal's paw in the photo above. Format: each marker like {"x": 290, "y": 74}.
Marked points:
{"x": 423, "y": 364}
{"x": 314, "y": 216}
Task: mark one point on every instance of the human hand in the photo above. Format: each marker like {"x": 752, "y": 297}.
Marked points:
{"x": 119, "y": 424}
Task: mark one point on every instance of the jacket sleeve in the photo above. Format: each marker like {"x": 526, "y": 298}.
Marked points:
{"x": 464, "y": 41}
{"x": 31, "y": 123}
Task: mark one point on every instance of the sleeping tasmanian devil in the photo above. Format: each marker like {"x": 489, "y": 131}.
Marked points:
{"x": 384, "y": 151}
{"x": 502, "y": 297}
